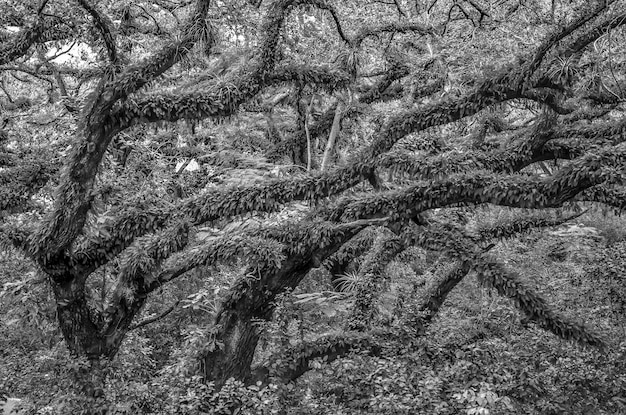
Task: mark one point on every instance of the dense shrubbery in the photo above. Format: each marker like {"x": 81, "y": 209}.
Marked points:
{"x": 479, "y": 356}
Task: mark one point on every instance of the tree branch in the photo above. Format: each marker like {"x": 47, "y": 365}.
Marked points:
{"x": 154, "y": 318}
{"x": 478, "y": 188}
{"x": 295, "y": 362}
{"x": 493, "y": 274}
{"x": 394, "y": 27}
{"x": 105, "y": 27}
{"x": 224, "y": 98}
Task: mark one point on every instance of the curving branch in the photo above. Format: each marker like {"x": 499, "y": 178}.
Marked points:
{"x": 105, "y": 27}
{"x": 418, "y": 317}
{"x": 213, "y": 205}
{"x": 613, "y": 197}
{"x": 376, "y": 92}
{"x": 291, "y": 364}
{"x": 337, "y": 263}
{"x": 510, "y": 159}
{"x": 224, "y": 98}
{"x": 74, "y": 195}
{"x": 540, "y": 143}
{"x": 579, "y": 43}
{"x": 323, "y": 77}
{"x": 271, "y": 196}
{"x": 525, "y": 224}
{"x": 137, "y": 76}
{"x": 508, "y": 283}
{"x": 147, "y": 253}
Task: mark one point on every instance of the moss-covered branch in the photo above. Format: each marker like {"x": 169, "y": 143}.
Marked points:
{"x": 337, "y": 263}
{"x": 589, "y": 13}
{"x": 518, "y": 226}
{"x": 508, "y": 283}
{"x": 372, "y": 272}
{"x": 579, "y": 43}
{"x": 96, "y": 130}
{"x": 269, "y": 197}
{"x": 515, "y": 191}
{"x": 147, "y": 253}
{"x": 418, "y": 316}
{"x": 224, "y": 98}
{"x": 295, "y": 362}
{"x": 494, "y": 274}
{"x": 609, "y": 196}
{"x": 137, "y": 76}
{"x": 216, "y": 204}
{"x": 536, "y": 145}
{"x": 266, "y": 254}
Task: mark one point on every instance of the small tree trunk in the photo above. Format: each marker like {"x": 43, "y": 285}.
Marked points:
{"x": 309, "y": 150}
{"x": 334, "y": 132}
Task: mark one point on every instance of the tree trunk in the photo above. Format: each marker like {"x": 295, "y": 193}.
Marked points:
{"x": 86, "y": 336}
{"x": 235, "y": 335}
{"x": 81, "y": 333}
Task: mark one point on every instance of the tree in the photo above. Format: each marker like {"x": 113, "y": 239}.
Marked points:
{"x": 571, "y": 112}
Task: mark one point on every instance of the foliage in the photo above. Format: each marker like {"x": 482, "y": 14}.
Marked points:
{"x": 308, "y": 206}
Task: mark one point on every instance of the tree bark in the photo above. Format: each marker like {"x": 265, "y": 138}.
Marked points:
{"x": 334, "y": 132}
{"x": 88, "y": 338}
{"x": 235, "y": 334}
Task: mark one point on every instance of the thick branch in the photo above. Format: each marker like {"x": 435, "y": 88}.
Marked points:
{"x": 223, "y": 99}
{"x": 372, "y": 272}
{"x": 295, "y": 362}
{"x": 73, "y": 201}
{"x": 105, "y": 27}
{"x": 137, "y": 76}
{"x": 478, "y": 188}
{"x": 271, "y": 196}
{"x": 493, "y": 274}
{"x": 337, "y": 263}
